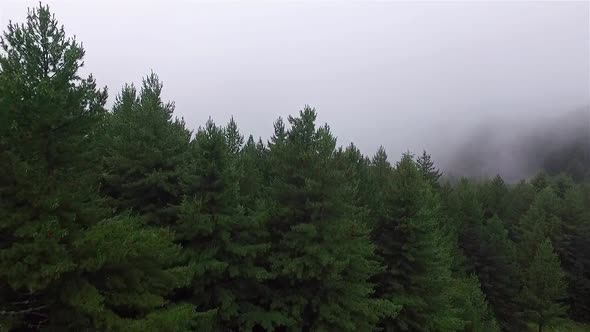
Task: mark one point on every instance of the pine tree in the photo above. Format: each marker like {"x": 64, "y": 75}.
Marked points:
{"x": 356, "y": 168}
{"x": 380, "y": 170}
{"x": 430, "y": 172}
{"x": 321, "y": 257}
{"x": 378, "y": 183}
{"x": 65, "y": 262}
{"x": 572, "y": 244}
{"x": 518, "y": 201}
{"x": 409, "y": 240}
{"x": 488, "y": 252}
{"x": 235, "y": 140}
{"x": 223, "y": 246}
{"x": 494, "y": 261}
{"x": 540, "y": 181}
{"x": 544, "y": 287}
{"x": 561, "y": 184}
{"x": 252, "y": 175}
{"x": 539, "y": 222}
{"x": 464, "y": 215}
{"x": 276, "y": 144}
{"x": 492, "y": 194}
{"x": 475, "y": 309}
{"x": 145, "y": 149}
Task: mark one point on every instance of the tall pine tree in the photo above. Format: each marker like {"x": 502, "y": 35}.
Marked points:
{"x": 223, "y": 245}
{"x": 475, "y": 310}
{"x": 544, "y": 287}
{"x": 539, "y": 222}
{"x": 430, "y": 172}
{"x": 488, "y": 252}
{"x": 409, "y": 240}
{"x": 321, "y": 257}
{"x": 494, "y": 261}
{"x": 65, "y": 262}
{"x": 145, "y": 150}
{"x": 492, "y": 194}
{"x": 572, "y": 244}
{"x": 252, "y": 175}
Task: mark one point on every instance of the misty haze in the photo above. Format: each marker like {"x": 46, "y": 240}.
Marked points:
{"x": 405, "y": 75}
{"x": 295, "y": 166}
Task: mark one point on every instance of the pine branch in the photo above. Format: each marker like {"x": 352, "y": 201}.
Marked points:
{"x": 21, "y": 312}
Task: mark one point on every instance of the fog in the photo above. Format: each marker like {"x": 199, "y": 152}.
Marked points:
{"x": 475, "y": 83}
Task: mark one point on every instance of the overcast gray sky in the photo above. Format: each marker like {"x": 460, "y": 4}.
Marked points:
{"x": 407, "y": 75}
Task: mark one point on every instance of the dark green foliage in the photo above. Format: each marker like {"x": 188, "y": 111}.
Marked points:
{"x": 475, "y": 310}
{"x": 544, "y": 287}
{"x": 430, "y": 172}
{"x": 379, "y": 183}
{"x": 539, "y": 222}
{"x": 122, "y": 221}
{"x": 540, "y": 181}
{"x": 488, "y": 252}
{"x": 356, "y": 168}
{"x": 572, "y": 244}
{"x": 409, "y": 240}
{"x": 464, "y": 215}
{"x": 252, "y": 175}
{"x": 234, "y": 139}
{"x": 557, "y": 210}
{"x": 65, "y": 263}
{"x": 492, "y": 195}
{"x": 144, "y": 154}
{"x": 222, "y": 245}
{"x": 519, "y": 199}
{"x": 122, "y": 263}
{"x": 562, "y": 184}
{"x": 494, "y": 261}
{"x": 321, "y": 257}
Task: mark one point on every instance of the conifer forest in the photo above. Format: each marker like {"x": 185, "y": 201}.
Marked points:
{"x": 124, "y": 219}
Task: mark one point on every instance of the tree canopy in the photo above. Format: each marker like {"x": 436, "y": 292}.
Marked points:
{"x": 124, "y": 219}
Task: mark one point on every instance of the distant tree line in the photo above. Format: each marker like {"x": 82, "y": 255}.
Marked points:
{"x": 125, "y": 220}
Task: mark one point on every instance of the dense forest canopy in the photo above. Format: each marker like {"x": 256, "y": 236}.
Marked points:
{"x": 124, "y": 219}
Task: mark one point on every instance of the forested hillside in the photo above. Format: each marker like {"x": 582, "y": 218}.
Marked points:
{"x": 124, "y": 219}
